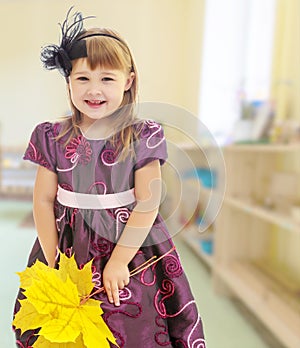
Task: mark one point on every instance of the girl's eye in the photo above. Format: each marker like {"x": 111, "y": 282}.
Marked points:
{"x": 107, "y": 79}
{"x": 82, "y": 78}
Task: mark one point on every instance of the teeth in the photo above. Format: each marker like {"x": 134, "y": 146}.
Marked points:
{"x": 96, "y": 101}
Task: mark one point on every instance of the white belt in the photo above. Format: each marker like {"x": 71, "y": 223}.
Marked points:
{"x": 92, "y": 201}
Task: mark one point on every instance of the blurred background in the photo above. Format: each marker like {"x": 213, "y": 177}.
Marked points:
{"x": 234, "y": 66}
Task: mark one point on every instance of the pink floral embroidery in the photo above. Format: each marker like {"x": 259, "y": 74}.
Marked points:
{"x": 79, "y": 150}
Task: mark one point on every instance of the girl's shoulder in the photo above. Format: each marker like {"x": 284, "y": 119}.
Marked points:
{"x": 144, "y": 128}
{"x": 48, "y": 127}
{"x": 52, "y": 129}
{"x": 151, "y": 143}
{"x": 42, "y": 147}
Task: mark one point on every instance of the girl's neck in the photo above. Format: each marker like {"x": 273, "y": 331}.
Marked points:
{"x": 96, "y": 129}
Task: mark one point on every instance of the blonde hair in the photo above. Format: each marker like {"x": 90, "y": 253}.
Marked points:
{"x": 114, "y": 53}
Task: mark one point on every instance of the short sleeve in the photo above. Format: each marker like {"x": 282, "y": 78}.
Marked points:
{"x": 151, "y": 144}
{"x": 42, "y": 146}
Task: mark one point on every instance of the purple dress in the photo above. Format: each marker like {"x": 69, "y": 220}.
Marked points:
{"x": 157, "y": 308}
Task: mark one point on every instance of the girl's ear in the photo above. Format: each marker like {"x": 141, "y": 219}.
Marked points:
{"x": 129, "y": 81}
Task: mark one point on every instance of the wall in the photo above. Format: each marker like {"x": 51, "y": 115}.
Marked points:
{"x": 165, "y": 37}
{"x": 286, "y": 60}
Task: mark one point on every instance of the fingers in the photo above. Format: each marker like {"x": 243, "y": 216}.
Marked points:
{"x": 126, "y": 282}
{"x": 115, "y": 277}
{"x": 112, "y": 291}
{"x": 113, "y": 296}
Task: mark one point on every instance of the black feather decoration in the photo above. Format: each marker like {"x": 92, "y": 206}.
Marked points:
{"x": 57, "y": 56}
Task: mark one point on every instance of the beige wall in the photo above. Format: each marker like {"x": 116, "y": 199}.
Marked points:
{"x": 164, "y": 35}
{"x": 286, "y": 61}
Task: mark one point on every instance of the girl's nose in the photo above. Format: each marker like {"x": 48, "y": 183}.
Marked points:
{"x": 95, "y": 89}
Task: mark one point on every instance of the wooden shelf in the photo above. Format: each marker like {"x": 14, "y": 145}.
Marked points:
{"x": 276, "y": 148}
{"x": 194, "y": 244}
{"x": 262, "y": 213}
{"x": 256, "y": 254}
{"x": 277, "y": 309}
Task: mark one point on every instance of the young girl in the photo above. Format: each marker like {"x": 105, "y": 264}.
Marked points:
{"x": 97, "y": 193}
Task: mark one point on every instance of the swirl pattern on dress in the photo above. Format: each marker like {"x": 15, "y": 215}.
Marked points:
{"x": 162, "y": 336}
{"x": 198, "y": 342}
{"x": 94, "y": 188}
{"x": 103, "y": 247}
{"x": 125, "y": 294}
{"x": 34, "y": 155}
{"x": 96, "y": 278}
{"x": 108, "y": 157}
{"x": 166, "y": 291}
{"x": 122, "y": 215}
{"x": 153, "y": 139}
{"x": 172, "y": 266}
{"x": 133, "y": 310}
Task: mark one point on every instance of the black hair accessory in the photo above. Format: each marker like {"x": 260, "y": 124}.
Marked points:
{"x": 58, "y": 57}
{"x": 72, "y": 45}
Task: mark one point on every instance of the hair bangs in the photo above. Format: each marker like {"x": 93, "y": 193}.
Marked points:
{"x": 107, "y": 53}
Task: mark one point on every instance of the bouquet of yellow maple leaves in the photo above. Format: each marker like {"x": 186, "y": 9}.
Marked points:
{"x": 58, "y": 301}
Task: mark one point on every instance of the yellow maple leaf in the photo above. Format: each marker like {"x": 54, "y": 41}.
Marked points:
{"x": 43, "y": 343}
{"x": 27, "y": 276}
{"x": 29, "y": 317}
{"x": 82, "y": 278}
{"x": 91, "y": 330}
{"x": 54, "y": 304}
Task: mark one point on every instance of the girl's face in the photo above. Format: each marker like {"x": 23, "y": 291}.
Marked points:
{"x": 97, "y": 93}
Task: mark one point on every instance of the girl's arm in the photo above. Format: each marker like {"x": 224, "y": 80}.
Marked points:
{"x": 44, "y": 194}
{"x": 148, "y": 195}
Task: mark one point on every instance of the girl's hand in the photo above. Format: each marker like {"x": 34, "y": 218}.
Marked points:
{"x": 115, "y": 278}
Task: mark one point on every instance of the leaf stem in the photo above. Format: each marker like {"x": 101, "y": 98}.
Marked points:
{"x": 135, "y": 271}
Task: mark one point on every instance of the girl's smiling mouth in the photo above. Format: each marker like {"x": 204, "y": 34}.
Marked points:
{"x": 95, "y": 103}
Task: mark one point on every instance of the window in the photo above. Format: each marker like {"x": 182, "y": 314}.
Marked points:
{"x": 237, "y": 59}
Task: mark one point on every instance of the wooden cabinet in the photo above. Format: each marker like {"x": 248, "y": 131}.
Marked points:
{"x": 256, "y": 236}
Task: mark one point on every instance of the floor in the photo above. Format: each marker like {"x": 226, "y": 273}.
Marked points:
{"x": 227, "y": 324}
